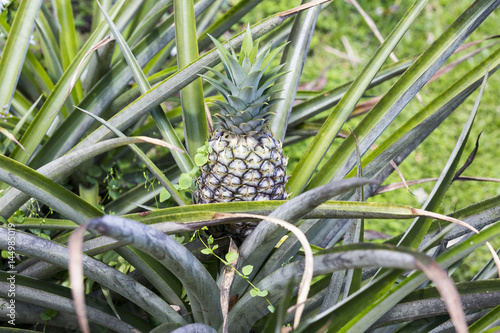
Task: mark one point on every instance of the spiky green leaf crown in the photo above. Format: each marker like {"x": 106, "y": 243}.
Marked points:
{"x": 247, "y": 87}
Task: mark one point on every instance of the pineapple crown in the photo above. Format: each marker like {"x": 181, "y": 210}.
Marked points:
{"x": 247, "y": 87}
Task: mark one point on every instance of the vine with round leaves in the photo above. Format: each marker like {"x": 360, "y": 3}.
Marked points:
{"x": 227, "y": 260}
{"x": 187, "y": 179}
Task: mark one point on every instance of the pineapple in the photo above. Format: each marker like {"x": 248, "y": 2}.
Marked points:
{"x": 245, "y": 162}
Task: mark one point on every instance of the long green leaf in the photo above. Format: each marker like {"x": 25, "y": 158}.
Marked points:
{"x": 58, "y": 170}
{"x": 293, "y": 59}
{"x": 201, "y": 213}
{"x": 50, "y": 295}
{"x": 20, "y": 125}
{"x": 32, "y": 70}
{"x": 50, "y": 50}
{"x": 289, "y": 248}
{"x": 166, "y": 129}
{"x": 353, "y": 318}
{"x": 133, "y": 93}
{"x": 415, "y": 130}
{"x": 162, "y": 280}
{"x": 21, "y": 104}
{"x": 179, "y": 218}
{"x": 58, "y": 303}
{"x": 355, "y": 234}
{"x": 138, "y": 195}
{"x": 97, "y": 17}
{"x": 46, "y": 27}
{"x": 400, "y": 144}
{"x": 427, "y": 303}
{"x": 149, "y": 21}
{"x": 478, "y": 215}
{"x": 322, "y": 141}
{"x": 178, "y": 81}
{"x": 106, "y": 91}
{"x": 147, "y": 161}
{"x": 193, "y": 108}
{"x": 419, "y": 227}
{"x": 387, "y": 301}
{"x": 49, "y": 44}
{"x": 137, "y": 20}
{"x": 56, "y": 254}
{"x": 195, "y": 278}
{"x": 68, "y": 40}
{"x": 490, "y": 318}
{"x": 14, "y": 51}
{"x": 350, "y": 256}
{"x": 327, "y": 99}
{"x": 382, "y": 114}
{"x": 52, "y": 23}
{"x": 262, "y": 240}
{"x": 41, "y": 188}
{"x": 33, "y": 136}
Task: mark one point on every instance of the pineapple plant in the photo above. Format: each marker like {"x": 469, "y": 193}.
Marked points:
{"x": 245, "y": 160}
{"x": 70, "y": 171}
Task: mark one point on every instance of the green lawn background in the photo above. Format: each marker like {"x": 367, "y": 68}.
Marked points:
{"x": 341, "y": 20}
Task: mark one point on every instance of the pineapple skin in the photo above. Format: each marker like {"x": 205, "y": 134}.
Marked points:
{"x": 242, "y": 168}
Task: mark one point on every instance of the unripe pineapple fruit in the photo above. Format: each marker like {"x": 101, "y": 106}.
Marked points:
{"x": 246, "y": 162}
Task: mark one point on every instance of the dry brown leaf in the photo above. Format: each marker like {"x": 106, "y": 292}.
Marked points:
{"x": 300, "y": 8}
{"x": 469, "y": 44}
{"x": 75, "y": 268}
{"x": 433, "y": 215}
{"x": 495, "y": 256}
{"x": 401, "y": 176}
{"x": 365, "y": 106}
{"x": 233, "y": 300}
{"x": 353, "y": 60}
{"x": 448, "y": 292}
{"x": 470, "y": 159}
{"x": 11, "y": 137}
{"x": 209, "y": 120}
{"x": 225, "y": 288}
{"x": 457, "y": 62}
{"x": 352, "y": 57}
{"x": 159, "y": 142}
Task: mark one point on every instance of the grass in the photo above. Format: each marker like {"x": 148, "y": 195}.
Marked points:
{"x": 430, "y": 157}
